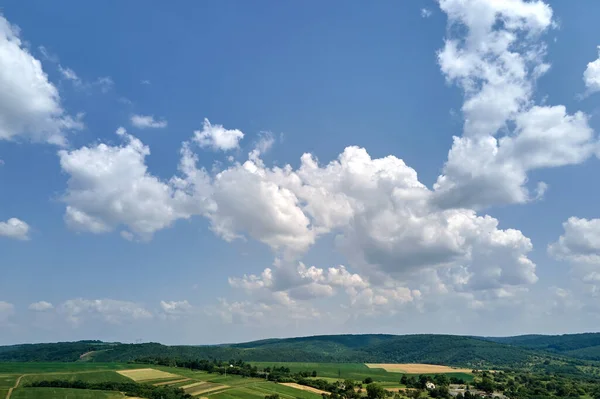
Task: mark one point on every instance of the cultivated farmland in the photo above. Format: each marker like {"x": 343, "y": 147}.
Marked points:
{"x": 147, "y": 374}
{"x": 303, "y": 387}
{"x": 416, "y": 368}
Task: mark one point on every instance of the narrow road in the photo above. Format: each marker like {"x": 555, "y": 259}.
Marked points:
{"x": 16, "y": 385}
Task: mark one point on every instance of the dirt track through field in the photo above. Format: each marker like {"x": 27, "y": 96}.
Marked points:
{"x": 416, "y": 368}
{"x": 16, "y": 385}
{"x": 303, "y": 387}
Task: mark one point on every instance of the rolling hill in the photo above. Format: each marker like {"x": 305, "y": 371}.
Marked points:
{"x": 367, "y": 348}
{"x": 580, "y": 346}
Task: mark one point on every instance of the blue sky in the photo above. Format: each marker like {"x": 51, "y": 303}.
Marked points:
{"x": 323, "y": 193}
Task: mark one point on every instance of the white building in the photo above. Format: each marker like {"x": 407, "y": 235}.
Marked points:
{"x": 429, "y": 385}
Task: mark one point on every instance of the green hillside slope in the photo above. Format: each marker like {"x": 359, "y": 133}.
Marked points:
{"x": 581, "y": 346}
{"x": 368, "y": 348}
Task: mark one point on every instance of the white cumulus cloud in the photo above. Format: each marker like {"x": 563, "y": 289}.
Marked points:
{"x": 147, "y": 121}
{"x": 217, "y": 137}
{"x": 495, "y": 59}
{"x": 30, "y": 106}
{"x": 579, "y": 245}
{"x": 591, "y": 75}
{"x": 14, "y": 228}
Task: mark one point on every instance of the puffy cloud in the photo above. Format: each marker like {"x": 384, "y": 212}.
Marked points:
{"x": 495, "y": 58}
{"x": 6, "y": 310}
{"x": 249, "y": 200}
{"x": 580, "y": 246}
{"x": 591, "y": 75}
{"x": 580, "y": 241}
{"x": 385, "y": 220}
{"x": 29, "y": 104}
{"x": 41, "y": 306}
{"x": 108, "y": 310}
{"x": 425, "y": 13}
{"x": 217, "y": 137}
{"x": 14, "y": 228}
{"x": 147, "y": 121}
{"x": 110, "y": 186}
{"x": 388, "y": 225}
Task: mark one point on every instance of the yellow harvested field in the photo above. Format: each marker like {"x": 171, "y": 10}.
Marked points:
{"x": 416, "y": 368}
{"x": 158, "y": 384}
{"x": 146, "y": 374}
{"x": 303, "y": 387}
{"x": 195, "y": 384}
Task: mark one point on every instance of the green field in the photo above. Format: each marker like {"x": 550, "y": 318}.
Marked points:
{"x": 234, "y": 386}
{"x": 63, "y": 393}
{"x": 7, "y": 380}
{"x": 229, "y": 386}
{"x": 26, "y": 368}
{"x": 351, "y": 371}
{"x": 87, "y": 376}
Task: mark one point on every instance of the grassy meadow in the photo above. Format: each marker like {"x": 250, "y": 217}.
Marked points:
{"x": 63, "y": 393}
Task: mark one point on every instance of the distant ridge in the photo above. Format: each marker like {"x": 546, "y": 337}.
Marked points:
{"x": 454, "y": 350}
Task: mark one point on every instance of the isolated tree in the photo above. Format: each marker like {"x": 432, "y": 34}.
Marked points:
{"x": 375, "y": 391}
{"x": 367, "y": 380}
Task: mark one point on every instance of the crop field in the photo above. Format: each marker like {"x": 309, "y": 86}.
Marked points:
{"x": 7, "y": 380}
{"x": 87, "y": 376}
{"x": 416, "y": 368}
{"x": 28, "y": 368}
{"x": 170, "y": 382}
{"x": 199, "y": 384}
{"x": 303, "y": 387}
{"x": 357, "y": 371}
{"x": 286, "y": 392}
{"x": 63, "y": 393}
{"x": 147, "y": 374}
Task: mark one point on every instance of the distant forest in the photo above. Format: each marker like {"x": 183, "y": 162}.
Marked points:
{"x": 564, "y": 351}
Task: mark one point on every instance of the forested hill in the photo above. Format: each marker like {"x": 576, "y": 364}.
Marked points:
{"x": 473, "y": 352}
{"x": 581, "y": 346}
{"x": 435, "y": 349}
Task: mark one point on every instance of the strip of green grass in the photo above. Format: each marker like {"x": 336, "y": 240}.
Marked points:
{"x": 238, "y": 393}
{"x": 93, "y": 376}
{"x": 63, "y": 393}
{"x": 25, "y": 368}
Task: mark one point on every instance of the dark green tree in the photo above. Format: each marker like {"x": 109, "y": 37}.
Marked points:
{"x": 375, "y": 391}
